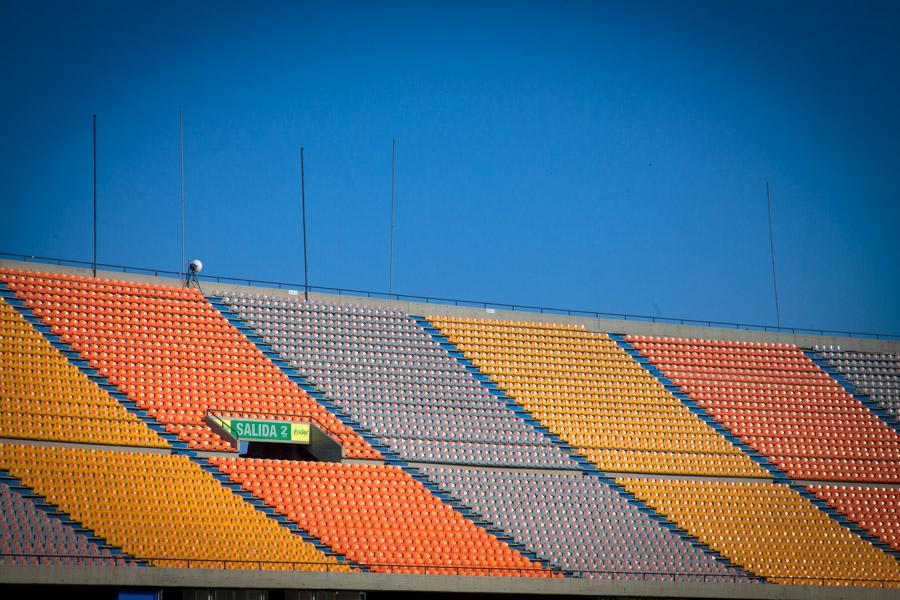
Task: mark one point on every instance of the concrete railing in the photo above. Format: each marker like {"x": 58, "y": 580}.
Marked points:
{"x": 11, "y": 559}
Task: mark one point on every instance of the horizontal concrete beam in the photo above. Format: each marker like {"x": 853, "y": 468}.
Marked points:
{"x": 369, "y": 582}
{"x": 419, "y": 308}
{"x": 87, "y": 446}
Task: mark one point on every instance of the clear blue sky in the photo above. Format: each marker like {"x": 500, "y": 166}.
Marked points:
{"x": 608, "y": 156}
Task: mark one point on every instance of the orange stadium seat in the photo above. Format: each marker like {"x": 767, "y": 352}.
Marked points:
{"x": 876, "y": 510}
{"x": 172, "y": 353}
{"x": 776, "y": 400}
{"x": 378, "y": 515}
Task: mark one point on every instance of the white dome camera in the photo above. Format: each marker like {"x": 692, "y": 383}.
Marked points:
{"x": 195, "y": 266}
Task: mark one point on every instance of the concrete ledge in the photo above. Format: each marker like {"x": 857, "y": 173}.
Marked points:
{"x": 218, "y": 578}
{"x": 87, "y": 445}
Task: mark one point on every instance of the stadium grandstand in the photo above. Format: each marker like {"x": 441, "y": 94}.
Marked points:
{"x": 159, "y": 440}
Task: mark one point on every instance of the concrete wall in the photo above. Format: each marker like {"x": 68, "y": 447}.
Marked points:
{"x": 369, "y": 582}
{"x": 420, "y": 308}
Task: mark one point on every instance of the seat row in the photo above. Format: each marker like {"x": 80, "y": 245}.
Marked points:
{"x": 598, "y": 411}
{"x": 191, "y": 352}
{"x": 377, "y": 515}
{"x": 579, "y": 523}
{"x": 875, "y": 509}
{"x": 769, "y": 529}
{"x": 424, "y": 400}
{"x": 30, "y": 536}
{"x": 804, "y": 436}
{"x": 46, "y": 397}
{"x": 159, "y": 507}
{"x": 876, "y": 375}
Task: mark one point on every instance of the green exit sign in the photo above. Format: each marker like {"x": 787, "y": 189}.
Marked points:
{"x": 266, "y": 431}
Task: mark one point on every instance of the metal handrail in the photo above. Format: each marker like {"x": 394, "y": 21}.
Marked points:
{"x": 460, "y": 302}
{"x": 395, "y": 568}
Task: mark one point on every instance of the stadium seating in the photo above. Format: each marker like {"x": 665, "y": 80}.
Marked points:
{"x": 589, "y": 392}
{"x": 877, "y": 510}
{"x": 172, "y": 353}
{"x": 29, "y": 536}
{"x": 394, "y": 379}
{"x": 580, "y": 524}
{"x": 378, "y": 515}
{"x": 781, "y": 404}
{"x": 770, "y": 530}
{"x": 160, "y": 507}
{"x": 177, "y": 357}
{"x": 875, "y": 375}
{"x": 46, "y": 397}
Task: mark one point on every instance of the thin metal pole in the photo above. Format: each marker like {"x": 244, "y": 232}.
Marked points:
{"x": 94, "y": 139}
{"x": 772, "y": 249}
{"x": 303, "y": 209}
{"x": 181, "y": 269}
{"x": 391, "y": 251}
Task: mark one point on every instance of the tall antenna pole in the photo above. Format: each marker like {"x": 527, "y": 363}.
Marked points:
{"x": 94, "y": 141}
{"x": 391, "y": 251}
{"x": 303, "y": 210}
{"x": 772, "y": 248}
{"x": 181, "y": 160}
